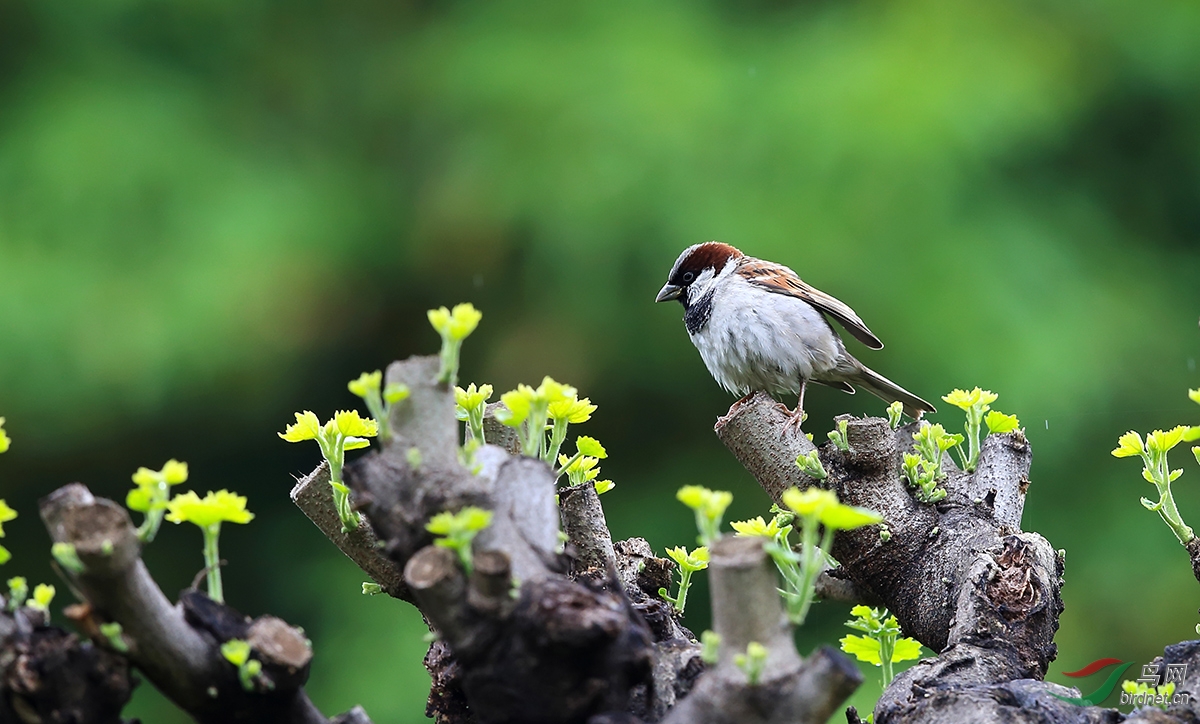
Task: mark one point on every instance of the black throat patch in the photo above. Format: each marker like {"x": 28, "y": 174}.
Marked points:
{"x": 696, "y": 315}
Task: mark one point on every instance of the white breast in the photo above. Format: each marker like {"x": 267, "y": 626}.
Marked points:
{"x": 760, "y": 340}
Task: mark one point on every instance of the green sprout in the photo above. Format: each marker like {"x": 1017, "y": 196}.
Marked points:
{"x": 752, "y": 662}
{"x": 208, "y": 513}
{"x": 924, "y": 469}
{"x": 894, "y": 411}
{"x": 112, "y": 632}
{"x": 345, "y": 431}
{"x": 1157, "y": 470}
{"x": 1158, "y": 696}
{"x": 237, "y": 652}
{"x": 838, "y": 436}
{"x": 709, "y": 506}
{"x": 603, "y": 486}
{"x": 379, "y": 401}
{"x": 43, "y": 594}
{"x": 882, "y": 646}
{"x": 66, "y": 556}
{"x": 5, "y": 440}
{"x": 6, "y": 514}
{"x": 370, "y": 588}
{"x": 814, "y": 510}
{"x": 810, "y": 464}
{"x": 528, "y": 410}
{"x": 457, "y": 530}
{"x": 469, "y": 405}
{"x": 689, "y": 563}
{"x": 710, "y": 647}
{"x": 454, "y": 326}
{"x": 976, "y": 404}
{"x": 582, "y": 466}
{"x": 150, "y": 496}
{"x": 18, "y": 591}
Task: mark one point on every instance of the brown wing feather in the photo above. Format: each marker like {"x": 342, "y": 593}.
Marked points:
{"x": 767, "y": 276}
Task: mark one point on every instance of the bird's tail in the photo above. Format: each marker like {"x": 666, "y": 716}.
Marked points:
{"x": 889, "y": 391}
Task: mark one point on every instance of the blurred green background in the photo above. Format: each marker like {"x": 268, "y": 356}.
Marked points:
{"x": 214, "y": 213}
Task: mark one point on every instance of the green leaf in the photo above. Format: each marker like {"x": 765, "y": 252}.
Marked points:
{"x": 590, "y": 446}
{"x": 906, "y": 649}
{"x": 862, "y": 648}
{"x": 1192, "y": 434}
{"x": 366, "y": 383}
{"x": 1193, "y": 394}
{"x": 5, "y": 440}
{"x": 139, "y": 499}
{"x": 397, "y": 391}
{"x": 221, "y": 506}
{"x": 1129, "y": 445}
{"x": 848, "y": 517}
{"x": 1161, "y": 441}
{"x": 356, "y": 443}
{"x": 236, "y": 651}
{"x": 998, "y": 422}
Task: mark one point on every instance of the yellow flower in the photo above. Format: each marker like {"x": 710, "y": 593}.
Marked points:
{"x": 306, "y": 427}
{"x": 573, "y": 410}
{"x": 366, "y": 383}
{"x": 456, "y": 324}
{"x": 1160, "y": 441}
{"x": 351, "y": 424}
{"x": 966, "y": 400}
{"x": 756, "y": 527}
{"x": 472, "y": 397}
{"x": 213, "y": 508}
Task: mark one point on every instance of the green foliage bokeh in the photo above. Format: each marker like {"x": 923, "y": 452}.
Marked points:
{"x": 215, "y": 213}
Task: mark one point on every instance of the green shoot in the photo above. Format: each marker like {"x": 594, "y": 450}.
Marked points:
{"x": 345, "y": 431}
{"x": 370, "y": 588}
{"x": 6, "y": 514}
{"x": 469, "y": 405}
{"x": 43, "y": 594}
{"x": 5, "y": 440}
{"x": 924, "y": 469}
{"x": 453, "y": 326}
{"x": 689, "y": 563}
{"x": 237, "y": 652}
{"x": 152, "y": 493}
{"x": 581, "y": 467}
{"x": 752, "y": 662}
{"x": 1157, "y": 471}
{"x": 815, "y": 510}
{"x": 18, "y": 591}
{"x": 112, "y": 632}
{"x": 207, "y": 514}
{"x": 976, "y": 404}
{"x": 65, "y": 555}
{"x": 838, "y": 436}
{"x": 882, "y": 646}
{"x": 379, "y": 401}
{"x": 603, "y": 486}
{"x": 528, "y": 410}
{"x": 810, "y": 464}
{"x": 710, "y": 647}
{"x": 457, "y": 530}
{"x": 894, "y": 411}
{"x": 1146, "y": 695}
{"x": 709, "y": 507}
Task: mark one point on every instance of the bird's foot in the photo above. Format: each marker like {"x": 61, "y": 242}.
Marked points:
{"x": 795, "y": 419}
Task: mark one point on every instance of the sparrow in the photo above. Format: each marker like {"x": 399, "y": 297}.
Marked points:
{"x": 758, "y": 326}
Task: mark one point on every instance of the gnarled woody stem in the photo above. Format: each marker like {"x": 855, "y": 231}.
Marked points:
{"x": 747, "y": 608}
{"x": 183, "y": 661}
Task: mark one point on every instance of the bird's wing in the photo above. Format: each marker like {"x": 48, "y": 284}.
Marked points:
{"x": 781, "y": 280}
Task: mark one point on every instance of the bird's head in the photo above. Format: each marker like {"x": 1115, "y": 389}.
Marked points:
{"x": 696, "y": 270}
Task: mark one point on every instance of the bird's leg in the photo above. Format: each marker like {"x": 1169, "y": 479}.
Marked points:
{"x": 796, "y": 417}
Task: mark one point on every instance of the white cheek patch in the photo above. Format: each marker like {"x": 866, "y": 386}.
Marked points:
{"x": 697, "y": 289}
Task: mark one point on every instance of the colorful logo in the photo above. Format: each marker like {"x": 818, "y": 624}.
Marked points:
{"x": 1105, "y": 690}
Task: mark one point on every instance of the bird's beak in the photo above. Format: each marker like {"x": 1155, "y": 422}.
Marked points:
{"x": 668, "y": 292}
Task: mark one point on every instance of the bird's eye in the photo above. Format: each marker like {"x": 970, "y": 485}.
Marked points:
{"x": 688, "y": 276}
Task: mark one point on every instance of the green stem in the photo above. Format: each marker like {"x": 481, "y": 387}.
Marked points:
{"x": 685, "y": 582}
{"x": 887, "y": 646}
{"x": 808, "y": 566}
{"x": 557, "y": 436}
{"x": 475, "y": 422}
{"x": 1166, "y": 503}
{"x": 378, "y": 411}
{"x": 212, "y": 562}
